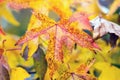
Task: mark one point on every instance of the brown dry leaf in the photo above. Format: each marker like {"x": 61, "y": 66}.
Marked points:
{"x": 103, "y": 26}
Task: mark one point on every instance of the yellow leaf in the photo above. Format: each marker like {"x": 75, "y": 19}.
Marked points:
{"x": 18, "y": 74}
{"x": 104, "y": 54}
{"x": 32, "y": 47}
{"x": 50, "y": 57}
{"x": 11, "y": 54}
{"x": 40, "y": 20}
{"x": 109, "y": 72}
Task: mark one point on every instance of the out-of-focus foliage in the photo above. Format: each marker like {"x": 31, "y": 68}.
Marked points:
{"x": 60, "y": 40}
{"x": 6, "y": 13}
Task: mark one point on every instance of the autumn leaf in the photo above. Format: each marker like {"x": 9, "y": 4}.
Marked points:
{"x": 108, "y": 71}
{"x": 58, "y": 33}
{"x": 102, "y": 27}
{"x": 57, "y": 44}
{"x": 3, "y": 50}
{"x": 61, "y": 30}
{"x": 6, "y": 58}
{"x": 76, "y": 73}
{"x": 18, "y": 72}
{"x": 32, "y": 47}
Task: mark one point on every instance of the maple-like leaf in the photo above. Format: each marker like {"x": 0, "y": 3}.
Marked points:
{"x": 60, "y": 30}
{"x": 102, "y": 27}
{"x": 58, "y": 34}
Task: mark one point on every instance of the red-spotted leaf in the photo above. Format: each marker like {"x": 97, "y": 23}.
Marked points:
{"x": 61, "y": 30}
{"x": 59, "y": 33}
{"x": 47, "y": 23}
